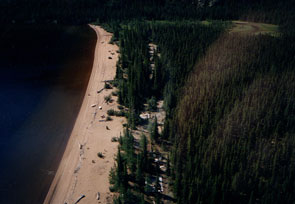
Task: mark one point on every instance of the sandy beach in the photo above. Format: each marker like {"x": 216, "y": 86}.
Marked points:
{"x": 81, "y": 171}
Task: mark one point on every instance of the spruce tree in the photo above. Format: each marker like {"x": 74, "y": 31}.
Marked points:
{"x": 142, "y": 201}
{"x": 139, "y": 171}
{"x": 120, "y": 168}
{"x": 143, "y": 145}
{"x": 155, "y": 134}
{"x": 168, "y": 166}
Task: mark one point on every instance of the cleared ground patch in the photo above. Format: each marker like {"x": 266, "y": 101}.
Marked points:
{"x": 246, "y": 27}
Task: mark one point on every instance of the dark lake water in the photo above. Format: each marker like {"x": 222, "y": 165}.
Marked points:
{"x": 44, "y": 72}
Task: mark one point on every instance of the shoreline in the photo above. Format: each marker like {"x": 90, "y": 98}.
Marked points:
{"x": 81, "y": 171}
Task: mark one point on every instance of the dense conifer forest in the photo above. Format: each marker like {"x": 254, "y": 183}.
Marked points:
{"x": 229, "y": 103}
{"x": 172, "y": 60}
{"x": 230, "y": 117}
{"x": 229, "y": 97}
{"x": 145, "y": 72}
{"x": 85, "y": 11}
{"x": 234, "y": 124}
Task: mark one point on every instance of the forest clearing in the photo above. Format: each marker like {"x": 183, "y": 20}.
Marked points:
{"x": 246, "y": 27}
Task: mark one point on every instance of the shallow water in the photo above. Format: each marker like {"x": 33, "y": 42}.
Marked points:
{"x": 44, "y": 72}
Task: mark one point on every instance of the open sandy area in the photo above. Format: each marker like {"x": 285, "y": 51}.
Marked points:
{"x": 81, "y": 171}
